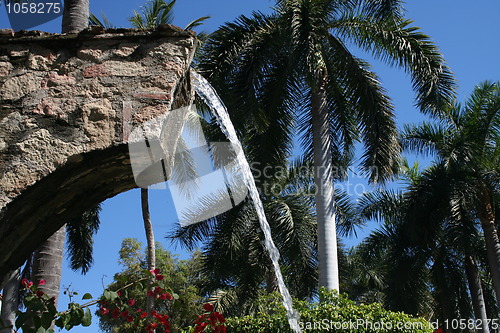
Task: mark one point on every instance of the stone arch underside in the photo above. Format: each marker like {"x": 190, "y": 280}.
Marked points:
{"x": 67, "y": 106}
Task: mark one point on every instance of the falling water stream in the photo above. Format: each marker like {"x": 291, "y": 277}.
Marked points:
{"x": 210, "y": 97}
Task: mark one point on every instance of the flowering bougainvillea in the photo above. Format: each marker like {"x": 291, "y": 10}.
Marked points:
{"x": 41, "y": 314}
{"x": 118, "y": 306}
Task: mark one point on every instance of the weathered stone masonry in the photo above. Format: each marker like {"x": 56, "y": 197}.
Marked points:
{"x": 67, "y": 106}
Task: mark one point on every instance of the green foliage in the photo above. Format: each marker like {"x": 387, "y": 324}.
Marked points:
{"x": 327, "y": 315}
{"x": 179, "y": 275}
{"x": 40, "y": 314}
{"x": 80, "y": 233}
{"x": 152, "y": 14}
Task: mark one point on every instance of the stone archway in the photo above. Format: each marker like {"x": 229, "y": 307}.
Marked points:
{"x": 67, "y": 106}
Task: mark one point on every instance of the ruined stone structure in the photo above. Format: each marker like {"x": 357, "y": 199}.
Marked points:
{"x": 67, "y": 106}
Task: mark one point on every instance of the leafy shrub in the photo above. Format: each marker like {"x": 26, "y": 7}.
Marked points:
{"x": 333, "y": 314}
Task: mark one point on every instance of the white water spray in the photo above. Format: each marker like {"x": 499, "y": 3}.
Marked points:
{"x": 210, "y": 97}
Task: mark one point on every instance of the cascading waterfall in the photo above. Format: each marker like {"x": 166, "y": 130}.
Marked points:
{"x": 210, "y": 97}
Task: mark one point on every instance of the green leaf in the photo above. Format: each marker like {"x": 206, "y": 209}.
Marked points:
{"x": 110, "y": 295}
{"x": 37, "y": 321}
{"x": 113, "y": 295}
{"x": 51, "y": 308}
{"x": 47, "y": 319}
{"x": 87, "y": 296}
{"x": 59, "y": 322}
{"x": 21, "y": 319}
{"x": 87, "y": 318}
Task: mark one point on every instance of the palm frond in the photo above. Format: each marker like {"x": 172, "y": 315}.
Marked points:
{"x": 105, "y": 23}
{"x": 399, "y": 44}
{"x": 195, "y": 23}
{"x": 152, "y": 14}
{"x": 80, "y": 233}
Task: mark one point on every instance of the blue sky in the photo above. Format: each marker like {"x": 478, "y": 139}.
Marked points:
{"x": 465, "y": 31}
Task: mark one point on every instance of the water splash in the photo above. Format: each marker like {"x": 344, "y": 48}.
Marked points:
{"x": 210, "y": 97}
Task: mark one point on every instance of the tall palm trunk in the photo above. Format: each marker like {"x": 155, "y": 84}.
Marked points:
{"x": 323, "y": 179}
{"x": 271, "y": 281}
{"x": 487, "y": 218}
{"x": 150, "y": 238}
{"x": 476, "y": 292}
{"x": 10, "y": 301}
{"x": 75, "y": 16}
{"x": 47, "y": 263}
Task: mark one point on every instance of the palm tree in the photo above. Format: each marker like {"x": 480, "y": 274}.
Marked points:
{"x": 292, "y": 71}
{"x": 150, "y": 239}
{"x": 236, "y": 236}
{"x": 154, "y": 13}
{"x": 10, "y": 301}
{"x": 466, "y": 141}
{"x": 157, "y": 12}
{"x": 78, "y": 235}
{"x": 427, "y": 260}
{"x": 75, "y": 16}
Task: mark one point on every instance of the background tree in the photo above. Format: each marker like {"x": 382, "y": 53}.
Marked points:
{"x": 181, "y": 275}
{"x": 431, "y": 234}
{"x": 290, "y": 72}
{"x": 466, "y": 142}
{"x": 75, "y": 16}
{"x": 235, "y": 287}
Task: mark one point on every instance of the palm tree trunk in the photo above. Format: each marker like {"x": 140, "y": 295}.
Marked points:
{"x": 476, "y": 292}
{"x": 10, "y": 301}
{"x": 150, "y": 238}
{"x": 75, "y": 16}
{"x": 487, "y": 218}
{"x": 271, "y": 282}
{"x": 47, "y": 263}
{"x": 323, "y": 179}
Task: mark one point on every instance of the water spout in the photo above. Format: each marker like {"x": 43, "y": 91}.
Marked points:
{"x": 210, "y": 97}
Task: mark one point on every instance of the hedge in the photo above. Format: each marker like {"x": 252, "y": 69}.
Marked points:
{"x": 336, "y": 313}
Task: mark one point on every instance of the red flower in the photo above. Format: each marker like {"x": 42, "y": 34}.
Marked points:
{"x": 200, "y": 327}
{"x": 439, "y": 330}
{"x": 130, "y": 319}
{"x": 159, "y": 277}
{"x": 131, "y": 302}
{"x": 155, "y": 271}
{"x": 116, "y": 313}
{"x": 219, "y": 317}
{"x": 26, "y": 283}
{"x": 166, "y": 296}
{"x": 144, "y": 315}
{"x": 158, "y": 290}
{"x": 151, "y": 327}
{"x": 151, "y": 293}
{"x": 124, "y": 314}
{"x": 103, "y": 311}
{"x": 39, "y": 293}
{"x": 119, "y": 293}
{"x": 42, "y": 282}
{"x": 208, "y": 307}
